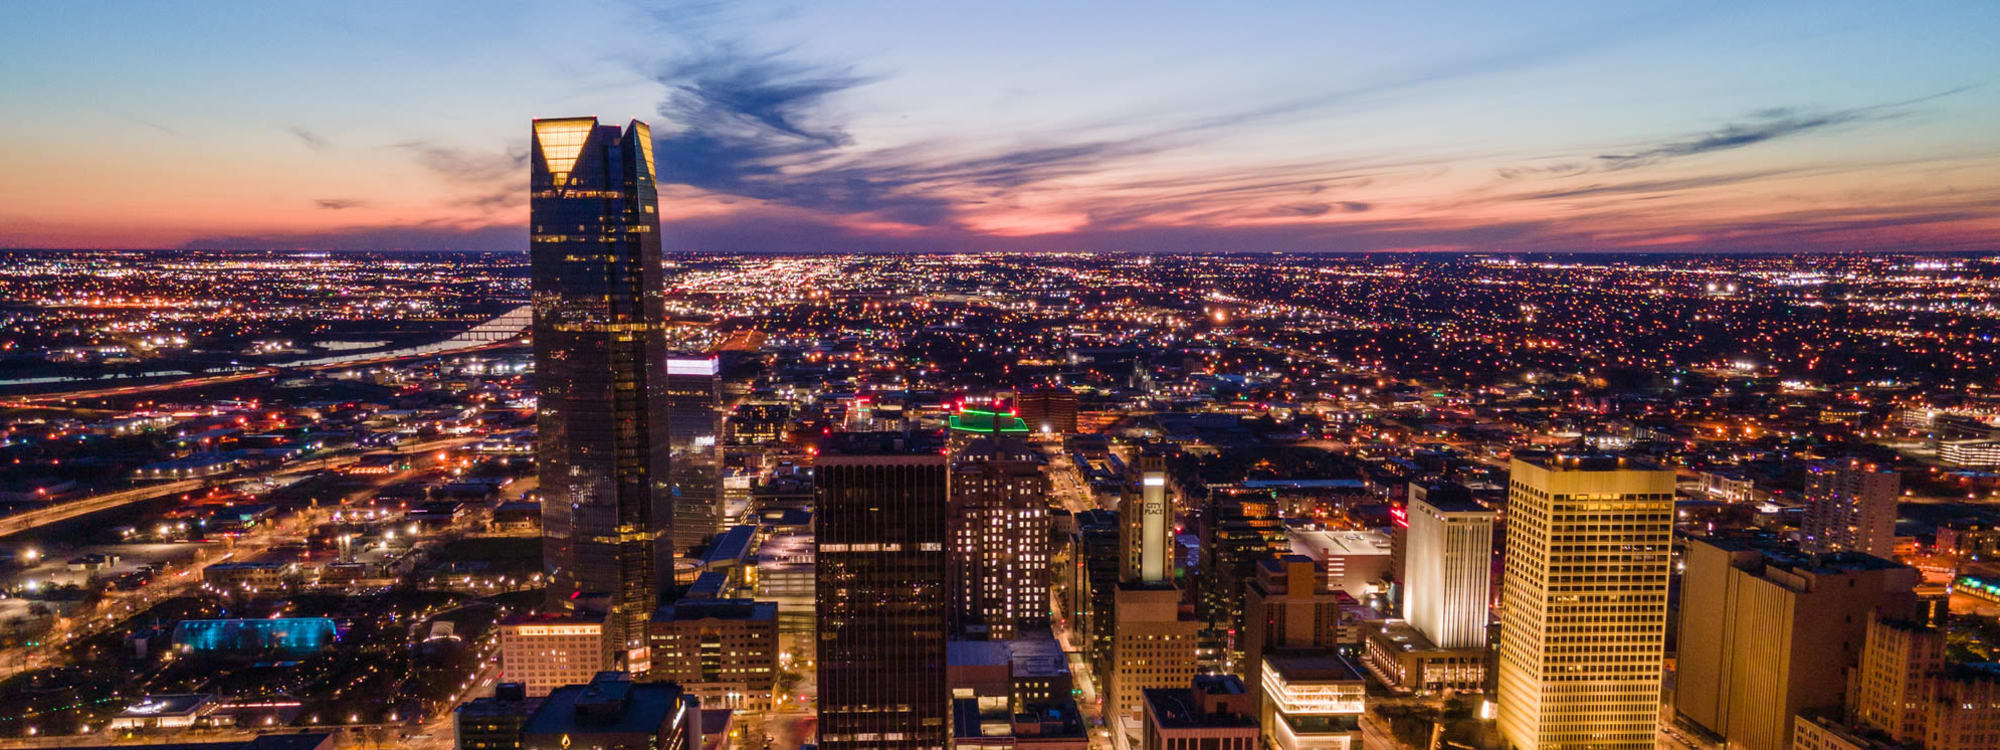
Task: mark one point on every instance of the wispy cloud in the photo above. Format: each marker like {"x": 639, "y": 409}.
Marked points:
{"x": 339, "y": 204}
{"x": 311, "y": 139}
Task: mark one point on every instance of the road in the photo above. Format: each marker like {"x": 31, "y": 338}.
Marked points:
{"x": 59, "y": 512}
{"x": 203, "y": 381}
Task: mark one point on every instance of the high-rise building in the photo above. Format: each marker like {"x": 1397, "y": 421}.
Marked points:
{"x": 1449, "y": 569}
{"x": 1145, "y": 513}
{"x": 1584, "y": 601}
{"x": 602, "y": 411}
{"x": 493, "y": 722}
{"x": 999, "y": 525}
{"x": 1153, "y": 638}
{"x": 545, "y": 652}
{"x": 724, "y": 651}
{"x": 694, "y": 434}
{"x": 1908, "y": 688}
{"x": 1239, "y": 531}
{"x": 1850, "y": 508}
{"x": 881, "y": 590}
{"x": 1767, "y": 633}
{"x": 1094, "y": 585}
{"x": 1288, "y": 607}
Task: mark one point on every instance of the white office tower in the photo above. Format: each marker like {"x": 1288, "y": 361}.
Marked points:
{"x": 1449, "y": 569}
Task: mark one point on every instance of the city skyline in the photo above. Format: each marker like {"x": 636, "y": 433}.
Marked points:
{"x": 854, "y": 128}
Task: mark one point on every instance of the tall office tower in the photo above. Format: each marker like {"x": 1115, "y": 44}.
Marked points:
{"x": 1584, "y": 601}
{"x": 1146, "y": 533}
{"x": 1239, "y": 531}
{"x": 881, "y": 590}
{"x": 1766, "y": 633}
{"x": 694, "y": 436}
{"x": 1909, "y": 688}
{"x": 1851, "y": 507}
{"x": 999, "y": 526}
{"x": 597, "y": 291}
{"x": 1153, "y": 640}
{"x": 1094, "y": 585}
{"x": 1449, "y": 569}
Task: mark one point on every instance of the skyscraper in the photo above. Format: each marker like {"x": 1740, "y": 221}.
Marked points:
{"x": 1450, "y": 569}
{"x": 1767, "y": 633}
{"x": 881, "y": 590}
{"x": 1850, "y": 507}
{"x": 597, "y": 293}
{"x": 1584, "y": 601}
{"x": 999, "y": 539}
{"x": 694, "y": 429}
{"x": 1152, "y": 637}
{"x": 1146, "y": 534}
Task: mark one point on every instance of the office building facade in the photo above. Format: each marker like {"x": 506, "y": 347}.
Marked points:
{"x": 1449, "y": 569}
{"x": 548, "y": 652}
{"x": 881, "y": 592}
{"x": 694, "y": 437}
{"x": 1000, "y": 543}
{"x": 602, "y": 409}
{"x": 724, "y": 651}
{"x": 1584, "y": 601}
{"x": 1767, "y": 633}
{"x": 1850, "y": 507}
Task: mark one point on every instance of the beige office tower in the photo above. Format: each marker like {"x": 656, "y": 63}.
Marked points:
{"x": 1584, "y": 602}
{"x": 1768, "y": 633}
{"x": 1449, "y": 568}
{"x": 1152, "y": 637}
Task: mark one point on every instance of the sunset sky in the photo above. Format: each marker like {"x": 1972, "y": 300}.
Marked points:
{"x": 1310, "y": 126}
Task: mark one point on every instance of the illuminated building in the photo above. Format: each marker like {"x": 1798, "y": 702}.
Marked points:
{"x": 1977, "y": 588}
{"x": 1216, "y": 713}
{"x": 724, "y": 651}
{"x": 1767, "y": 633}
{"x": 1406, "y": 661}
{"x": 1311, "y": 702}
{"x": 545, "y": 653}
{"x": 610, "y": 712}
{"x": 882, "y": 603}
{"x": 599, "y": 355}
{"x": 1449, "y": 569}
{"x": 1584, "y": 601}
{"x": 163, "y": 712}
{"x": 999, "y": 527}
{"x": 1095, "y": 558}
{"x": 1908, "y": 688}
{"x": 1850, "y": 508}
{"x": 1288, "y": 607}
{"x": 250, "y": 636}
{"x": 1354, "y": 561}
{"x": 1153, "y": 640}
{"x": 1239, "y": 532}
{"x": 694, "y": 434}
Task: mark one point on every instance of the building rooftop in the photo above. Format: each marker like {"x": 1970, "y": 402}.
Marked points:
{"x": 1584, "y": 461}
{"x": 610, "y": 703}
{"x": 717, "y": 609}
{"x": 912, "y": 443}
{"x": 1314, "y": 667}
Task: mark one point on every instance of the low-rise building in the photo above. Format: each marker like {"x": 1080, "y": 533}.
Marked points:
{"x": 546, "y": 652}
{"x": 724, "y": 651}
{"x": 611, "y": 712}
{"x": 1215, "y": 713}
{"x": 1312, "y": 702}
{"x": 1407, "y": 662}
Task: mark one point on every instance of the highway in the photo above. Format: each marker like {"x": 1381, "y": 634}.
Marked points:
{"x": 58, "y": 512}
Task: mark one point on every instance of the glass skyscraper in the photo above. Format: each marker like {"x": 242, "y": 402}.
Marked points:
{"x": 598, "y": 293}
{"x": 694, "y": 426}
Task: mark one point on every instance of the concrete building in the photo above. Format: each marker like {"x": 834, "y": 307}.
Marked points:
{"x": 723, "y": 651}
{"x": 1288, "y": 607}
{"x": 1906, "y": 688}
{"x": 1311, "y": 702}
{"x": 548, "y": 652}
{"x": 612, "y": 713}
{"x": 999, "y": 537}
{"x": 1850, "y": 508}
{"x": 1821, "y": 732}
{"x": 1766, "y": 634}
{"x": 1356, "y": 562}
{"x": 1152, "y": 646}
{"x": 1401, "y": 657}
{"x": 495, "y": 721}
{"x": 1584, "y": 601}
{"x": 1449, "y": 569}
{"x": 1013, "y": 694}
{"x": 1214, "y": 714}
